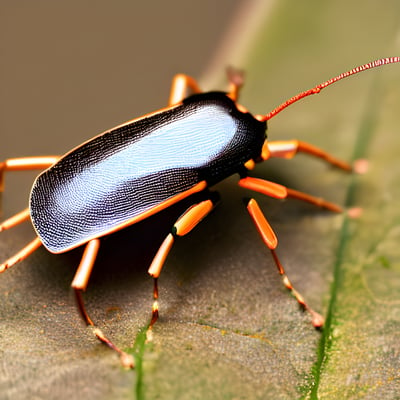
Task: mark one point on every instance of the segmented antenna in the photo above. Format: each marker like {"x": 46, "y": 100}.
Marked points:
{"x": 317, "y": 89}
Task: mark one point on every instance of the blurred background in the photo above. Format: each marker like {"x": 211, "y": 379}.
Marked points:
{"x": 70, "y": 70}
{"x": 66, "y": 63}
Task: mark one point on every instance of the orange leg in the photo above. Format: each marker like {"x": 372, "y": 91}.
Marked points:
{"x": 289, "y": 148}
{"x": 15, "y": 220}
{"x": 20, "y": 164}
{"x": 182, "y": 83}
{"x": 79, "y": 285}
{"x": 179, "y": 88}
{"x": 185, "y": 223}
{"x": 269, "y": 238}
{"x": 25, "y": 163}
{"x": 21, "y": 255}
{"x": 281, "y": 192}
{"x": 236, "y": 80}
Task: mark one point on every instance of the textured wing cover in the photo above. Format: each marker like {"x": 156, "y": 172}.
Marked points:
{"x": 124, "y": 172}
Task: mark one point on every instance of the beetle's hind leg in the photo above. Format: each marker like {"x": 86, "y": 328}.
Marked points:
{"x": 79, "y": 285}
{"x": 185, "y": 223}
{"x": 21, "y": 255}
{"x": 23, "y": 164}
{"x": 15, "y": 220}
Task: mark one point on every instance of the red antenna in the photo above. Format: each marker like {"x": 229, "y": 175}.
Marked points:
{"x": 318, "y": 88}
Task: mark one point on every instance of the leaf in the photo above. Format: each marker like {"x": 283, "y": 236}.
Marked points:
{"x": 228, "y": 329}
{"x": 358, "y": 353}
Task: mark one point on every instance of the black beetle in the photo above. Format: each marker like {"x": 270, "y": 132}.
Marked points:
{"x": 136, "y": 169}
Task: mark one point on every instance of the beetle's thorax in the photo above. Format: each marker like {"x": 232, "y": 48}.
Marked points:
{"x": 241, "y": 135}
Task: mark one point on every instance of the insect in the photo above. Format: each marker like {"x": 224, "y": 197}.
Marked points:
{"x": 145, "y": 165}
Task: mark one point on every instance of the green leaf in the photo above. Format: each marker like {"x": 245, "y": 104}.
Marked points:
{"x": 228, "y": 329}
{"x": 303, "y": 44}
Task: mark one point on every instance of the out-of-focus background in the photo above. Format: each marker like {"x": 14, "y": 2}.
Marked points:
{"x": 64, "y": 63}
{"x": 228, "y": 329}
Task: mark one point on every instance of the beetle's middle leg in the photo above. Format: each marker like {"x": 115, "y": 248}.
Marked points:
{"x": 185, "y": 223}
{"x": 79, "y": 285}
{"x": 181, "y": 83}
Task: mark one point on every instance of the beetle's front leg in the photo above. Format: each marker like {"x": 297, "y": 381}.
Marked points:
{"x": 278, "y": 191}
{"x": 236, "y": 80}
{"x": 269, "y": 238}
{"x": 289, "y": 148}
{"x": 185, "y": 223}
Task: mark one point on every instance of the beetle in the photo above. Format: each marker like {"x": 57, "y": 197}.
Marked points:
{"x": 133, "y": 171}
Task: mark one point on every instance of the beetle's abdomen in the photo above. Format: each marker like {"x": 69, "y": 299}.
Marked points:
{"x": 125, "y": 172}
